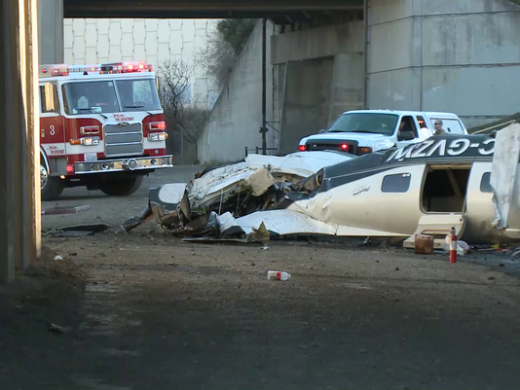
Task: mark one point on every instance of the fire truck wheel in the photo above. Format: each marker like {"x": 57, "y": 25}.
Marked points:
{"x": 120, "y": 187}
{"x": 51, "y": 186}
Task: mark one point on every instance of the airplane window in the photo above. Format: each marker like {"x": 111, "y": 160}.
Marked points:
{"x": 397, "y": 183}
{"x": 485, "y": 184}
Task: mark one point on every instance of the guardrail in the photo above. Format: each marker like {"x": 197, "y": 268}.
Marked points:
{"x": 258, "y": 150}
{"x": 489, "y": 129}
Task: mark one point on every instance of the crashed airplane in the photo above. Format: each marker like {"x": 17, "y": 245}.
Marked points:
{"x": 470, "y": 182}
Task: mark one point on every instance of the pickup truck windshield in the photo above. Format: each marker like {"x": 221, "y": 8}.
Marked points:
{"x": 101, "y": 96}
{"x": 365, "y": 123}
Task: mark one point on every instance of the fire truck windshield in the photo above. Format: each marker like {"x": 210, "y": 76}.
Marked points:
{"x": 138, "y": 95}
{"x": 96, "y": 96}
{"x": 101, "y": 96}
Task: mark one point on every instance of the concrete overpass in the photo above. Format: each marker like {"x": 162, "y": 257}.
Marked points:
{"x": 52, "y": 12}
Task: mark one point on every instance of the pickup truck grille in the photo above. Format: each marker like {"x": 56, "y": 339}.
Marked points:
{"x": 332, "y": 145}
{"x": 126, "y": 140}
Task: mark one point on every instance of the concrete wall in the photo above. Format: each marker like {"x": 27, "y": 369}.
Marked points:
{"x": 91, "y": 41}
{"x": 320, "y": 73}
{"x": 461, "y": 56}
{"x": 237, "y": 115}
{"x": 306, "y": 102}
{"x": 318, "y": 43}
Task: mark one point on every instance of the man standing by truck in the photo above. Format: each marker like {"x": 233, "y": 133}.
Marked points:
{"x": 438, "y": 128}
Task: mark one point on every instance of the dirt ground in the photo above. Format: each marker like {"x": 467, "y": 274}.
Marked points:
{"x": 159, "y": 313}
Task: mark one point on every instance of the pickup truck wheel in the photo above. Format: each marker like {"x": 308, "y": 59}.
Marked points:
{"x": 51, "y": 186}
{"x": 122, "y": 187}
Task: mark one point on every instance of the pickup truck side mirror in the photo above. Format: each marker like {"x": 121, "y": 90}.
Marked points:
{"x": 405, "y": 135}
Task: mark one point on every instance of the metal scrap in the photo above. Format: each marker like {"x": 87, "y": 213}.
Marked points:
{"x": 168, "y": 205}
{"x": 207, "y": 206}
{"x": 78, "y": 231}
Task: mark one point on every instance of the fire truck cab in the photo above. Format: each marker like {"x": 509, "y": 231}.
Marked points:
{"x": 101, "y": 126}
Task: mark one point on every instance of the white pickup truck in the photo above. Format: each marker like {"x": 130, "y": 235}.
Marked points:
{"x": 366, "y": 131}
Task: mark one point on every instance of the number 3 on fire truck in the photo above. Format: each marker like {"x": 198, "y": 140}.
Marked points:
{"x": 52, "y": 130}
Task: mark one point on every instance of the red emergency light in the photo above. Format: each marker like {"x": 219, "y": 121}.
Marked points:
{"x": 54, "y": 70}
{"x": 344, "y": 146}
{"x": 126, "y": 67}
{"x": 302, "y": 148}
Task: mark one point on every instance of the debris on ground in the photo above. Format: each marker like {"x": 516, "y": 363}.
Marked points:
{"x": 60, "y": 210}
{"x": 490, "y": 247}
{"x": 78, "y": 231}
{"x": 462, "y": 246}
{"x": 207, "y": 208}
{"x": 58, "y": 258}
{"x": 56, "y": 329}
{"x": 277, "y": 275}
{"x": 423, "y": 244}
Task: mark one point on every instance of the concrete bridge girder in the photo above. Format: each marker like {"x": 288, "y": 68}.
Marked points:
{"x": 200, "y": 8}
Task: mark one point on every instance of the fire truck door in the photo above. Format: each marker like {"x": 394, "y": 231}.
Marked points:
{"x": 52, "y": 134}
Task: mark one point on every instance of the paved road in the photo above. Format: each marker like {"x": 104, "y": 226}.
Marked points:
{"x": 111, "y": 210}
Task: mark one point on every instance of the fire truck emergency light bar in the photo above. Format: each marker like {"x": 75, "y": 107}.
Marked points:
{"x": 56, "y": 70}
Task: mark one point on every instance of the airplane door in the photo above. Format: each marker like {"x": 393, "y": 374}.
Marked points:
{"x": 443, "y": 201}
{"x": 480, "y": 211}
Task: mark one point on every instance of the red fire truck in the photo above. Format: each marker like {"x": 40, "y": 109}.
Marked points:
{"x": 102, "y": 126}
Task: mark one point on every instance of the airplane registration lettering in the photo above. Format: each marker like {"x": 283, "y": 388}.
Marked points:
{"x": 486, "y": 152}
{"x": 458, "y": 147}
{"x": 397, "y": 155}
{"x": 439, "y": 145}
{"x": 403, "y": 153}
{"x": 441, "y": 148}
{"x": 420, "y": 152}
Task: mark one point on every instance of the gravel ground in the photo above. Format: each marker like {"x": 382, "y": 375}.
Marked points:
{"x": 159, "y": 313}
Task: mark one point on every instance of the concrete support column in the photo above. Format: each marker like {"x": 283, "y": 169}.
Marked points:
{"x": 457, "y": 56}
{"x": 348, "y": 86}
{"x": 32, "y": 112}
{"x": 20, "y": 216}
{"x": 50, "y": 29}
{"x": 306, "y": 105}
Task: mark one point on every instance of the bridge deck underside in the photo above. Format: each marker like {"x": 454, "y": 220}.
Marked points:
{"x": 275, "y": 9}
